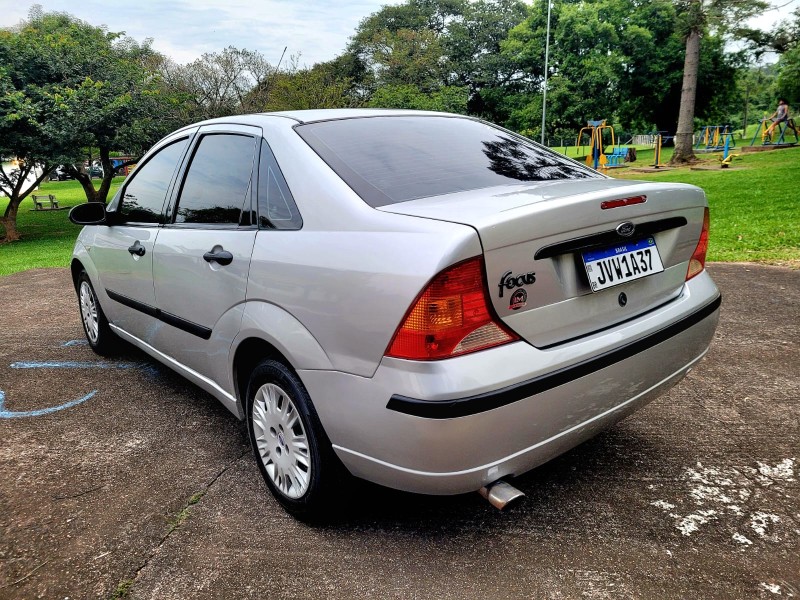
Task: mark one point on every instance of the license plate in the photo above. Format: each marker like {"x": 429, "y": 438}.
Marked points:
{"x": 625, "y": 262}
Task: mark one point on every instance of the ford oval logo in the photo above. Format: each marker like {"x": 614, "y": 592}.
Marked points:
{"x": 626, "y": 229}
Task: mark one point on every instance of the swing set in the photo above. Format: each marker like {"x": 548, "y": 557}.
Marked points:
{"x": 593, "y": 137}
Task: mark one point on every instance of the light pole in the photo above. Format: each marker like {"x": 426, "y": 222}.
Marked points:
{"x": 546, "y": 58}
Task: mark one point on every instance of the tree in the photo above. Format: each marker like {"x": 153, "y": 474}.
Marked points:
{"x": 31, "y": 116}
{"x": 445, "y": 99}
{"x": 696, "y": 17}
{"x": 297, "y": 88}
{"x": 789, "y": 76}
{"x": 217, "y": 84}
{"x": 437, "y": 47}
{"x": 69, "y": 86}
{"x": 785, "y": 39}
{"x": 23, "y": 123}
{"x": 618, "y": 60}
{"x": 601, "y": 55}
{"x": 473, "y": 49}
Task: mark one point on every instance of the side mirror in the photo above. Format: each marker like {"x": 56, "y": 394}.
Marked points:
{"x": 91, "y": 213}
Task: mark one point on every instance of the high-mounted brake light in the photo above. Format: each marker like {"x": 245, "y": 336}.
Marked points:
{"x": 698, "y": 261}
{"x": 452, "y": 316}
{"x": 623, "y": 202}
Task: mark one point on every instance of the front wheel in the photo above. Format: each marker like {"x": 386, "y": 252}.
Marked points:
{"x": 95, "y": 325}
{"x": 292, "y": 451}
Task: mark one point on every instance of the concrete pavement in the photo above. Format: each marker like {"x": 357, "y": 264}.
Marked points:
{"x": 140, "y": 485}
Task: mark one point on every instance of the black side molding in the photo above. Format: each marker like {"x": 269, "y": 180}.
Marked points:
{"x": 168, "y": 318}
{"x": 462, "y": 407}
{"x": 607, "y": 238}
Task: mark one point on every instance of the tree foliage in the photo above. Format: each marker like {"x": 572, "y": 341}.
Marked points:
{"x": 302, "y": 88}
{"x": 785, "y": 39}
{"x": 68, "y": 86}
{"x": 444, "y": 99}
{"x": 614, "y": 59}
{"x": 217, "y": 84}
{"x": 443, "y": 49}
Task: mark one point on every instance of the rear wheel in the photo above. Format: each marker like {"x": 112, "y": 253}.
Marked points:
{"x": 292, "y": 451}
{"x": 95, "y": 325}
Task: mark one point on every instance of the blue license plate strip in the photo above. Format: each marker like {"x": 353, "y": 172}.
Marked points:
{"x": 624, "y": 262}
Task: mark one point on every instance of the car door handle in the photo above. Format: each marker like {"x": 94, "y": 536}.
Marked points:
{"x": 137, "y": 249}
{"x": 222, "y": 257}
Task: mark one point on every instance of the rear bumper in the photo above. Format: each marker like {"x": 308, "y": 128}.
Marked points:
{"x": 453, "y": 426}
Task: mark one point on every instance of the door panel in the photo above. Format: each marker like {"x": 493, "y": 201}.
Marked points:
{"x": 125, "y": 275}
{"x": 202, "y": 258}
{"x": 192, "y": 288}
{"x": 123, "y": 253}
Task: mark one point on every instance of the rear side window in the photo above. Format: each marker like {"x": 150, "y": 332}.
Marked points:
{"x": 394, "y": 159}
{"x": 276, "y": 207}
{"x": 144, "y": 196}
{"x": 217, "y": 184}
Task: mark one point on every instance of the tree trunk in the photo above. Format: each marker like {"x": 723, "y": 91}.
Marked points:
{"x": 684, "y": 143}
{"x": 108, "y": 174}
{"x": 86, "y": 183}
{"x": 9, "y": 221}
{"x": 85, "y": 179}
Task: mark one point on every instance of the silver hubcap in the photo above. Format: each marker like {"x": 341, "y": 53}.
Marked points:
{"x": 89, "y": 312}
{"x": 281, "y": 440}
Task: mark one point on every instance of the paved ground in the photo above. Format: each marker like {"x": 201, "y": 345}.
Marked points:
{"x": 147, "y": 487}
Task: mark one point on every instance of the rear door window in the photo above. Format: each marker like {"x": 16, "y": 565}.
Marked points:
{"x": 217, "y": 183}
{"x": 392, "y": 159}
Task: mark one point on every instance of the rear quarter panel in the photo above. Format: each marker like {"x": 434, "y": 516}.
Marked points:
{"x": 351, "y": 273}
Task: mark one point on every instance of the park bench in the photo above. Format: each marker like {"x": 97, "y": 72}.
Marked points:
{"x": 40, "y": 200}
{"x": 618, "y": 156}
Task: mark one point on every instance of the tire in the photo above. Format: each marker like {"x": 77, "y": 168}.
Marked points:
{"x": 95, "y": 324}
{"x": 293, "y": 453}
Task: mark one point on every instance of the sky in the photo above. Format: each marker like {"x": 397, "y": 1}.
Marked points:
{"x": 317, "y": 30}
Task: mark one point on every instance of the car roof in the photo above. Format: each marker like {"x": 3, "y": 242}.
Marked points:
{"x": 315, "y": 115}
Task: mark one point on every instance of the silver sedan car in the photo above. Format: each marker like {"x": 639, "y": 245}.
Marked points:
{"x": 423, "y": 300}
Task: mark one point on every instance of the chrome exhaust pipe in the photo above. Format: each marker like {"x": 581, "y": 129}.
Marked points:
{"x": 500, "y": 494}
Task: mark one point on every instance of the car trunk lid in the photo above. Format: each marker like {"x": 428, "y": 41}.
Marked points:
{"x": 535, "y": 238}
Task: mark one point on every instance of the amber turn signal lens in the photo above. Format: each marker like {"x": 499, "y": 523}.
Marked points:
{"x": 450, "y": 317}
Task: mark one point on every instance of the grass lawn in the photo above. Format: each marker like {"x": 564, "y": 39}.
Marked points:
{"x": 755, "y": 208}
{"x": 755, "y": 211}
{"x": 47, "y": 235}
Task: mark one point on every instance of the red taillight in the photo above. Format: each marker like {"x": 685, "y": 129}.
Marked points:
{"x": 450, "y": 317}
{"x": 698, "y": 261}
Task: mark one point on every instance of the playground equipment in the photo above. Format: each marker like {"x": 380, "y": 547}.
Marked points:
{"x": 714, "y": 137}
{"x": 596, "y": 157}
{"x": 658, "y": 139}
{"x": 727, "y": 156}
{"x": 769, "y": 140}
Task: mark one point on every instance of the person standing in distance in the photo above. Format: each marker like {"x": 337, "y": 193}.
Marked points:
{"x": 781, "y": 115}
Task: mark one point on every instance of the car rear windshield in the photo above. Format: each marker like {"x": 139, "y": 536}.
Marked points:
{"x": 390, "y": 159}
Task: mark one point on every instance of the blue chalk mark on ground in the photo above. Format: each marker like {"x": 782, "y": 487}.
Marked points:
{"x": 71, "y": 343}
{"x": 75, "y": 365}
{"x": 150, "y": 370}
{"x": 8, "y": 414}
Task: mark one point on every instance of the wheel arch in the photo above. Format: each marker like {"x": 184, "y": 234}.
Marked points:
{"x": 249, "y": 354}
{"x": 75, "y": 267}
{"x": 82, "y": 261}
{"x": 269, "y": 332}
